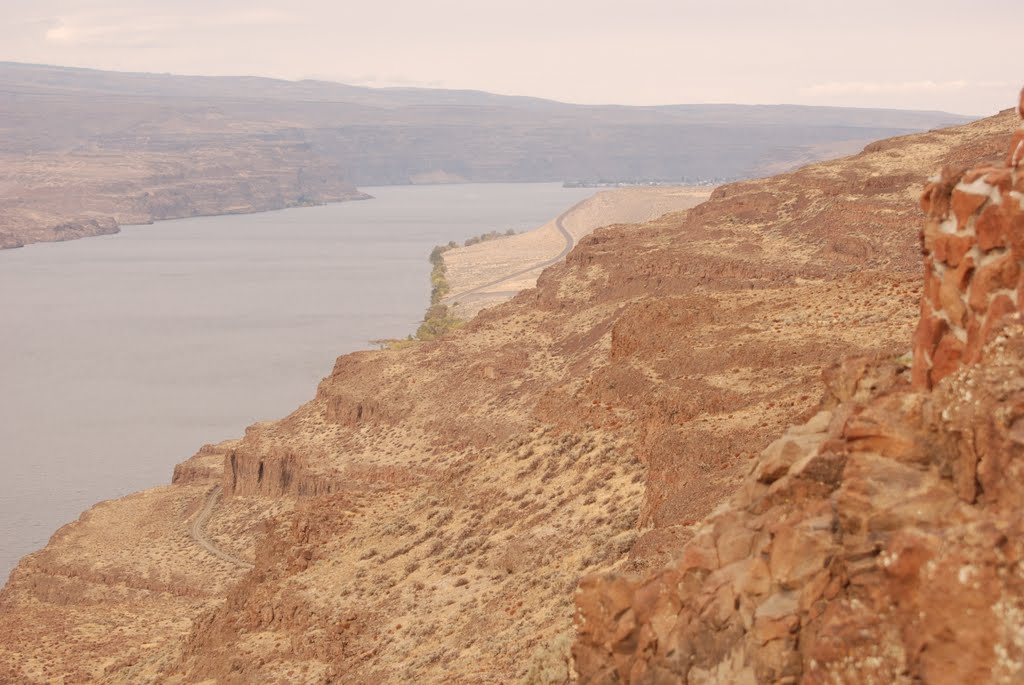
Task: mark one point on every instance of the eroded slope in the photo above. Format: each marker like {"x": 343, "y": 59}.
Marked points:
{"x": 880, "y": 541}
{"x": 437, "y": 505}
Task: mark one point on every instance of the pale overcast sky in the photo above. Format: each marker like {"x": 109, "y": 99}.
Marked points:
{"x": 955, "y": 56}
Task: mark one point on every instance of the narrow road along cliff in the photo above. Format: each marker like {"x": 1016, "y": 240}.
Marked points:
{"x": 197, "y": 529}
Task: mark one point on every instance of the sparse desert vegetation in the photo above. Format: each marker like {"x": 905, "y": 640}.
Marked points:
{"x": 434, "y": 508}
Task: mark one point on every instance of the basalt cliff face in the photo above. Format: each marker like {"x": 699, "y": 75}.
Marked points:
{"x": 430, "y": 514}
{"x": 880, "y": 541}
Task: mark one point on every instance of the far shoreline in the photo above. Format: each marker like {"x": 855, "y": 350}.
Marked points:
{"x": 110, "y": 226}
{"x": 115, "y": 226}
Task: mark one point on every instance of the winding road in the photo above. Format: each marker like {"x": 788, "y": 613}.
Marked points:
{"x": 476, "y": 293}
{"x": 197, "y": 529}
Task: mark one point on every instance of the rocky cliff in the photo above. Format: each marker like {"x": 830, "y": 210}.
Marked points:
{"x": 880, "y": 540}
{"x": 429, "y": 515}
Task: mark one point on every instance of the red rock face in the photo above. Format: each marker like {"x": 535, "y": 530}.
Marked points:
{"x": 1017, "y": 146}
{"x": 880, "y": 541}
{"x": 973, "y": 243}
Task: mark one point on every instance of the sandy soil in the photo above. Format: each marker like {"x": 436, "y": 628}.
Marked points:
{"x": 490, "y": 272}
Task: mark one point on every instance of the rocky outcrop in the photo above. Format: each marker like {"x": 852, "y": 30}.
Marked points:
{"x": 72, "y": 230}
{"x": 973, "y": 251}
{"x": 880, "y": 540}
{"x": 271, "y": 474}
{"x": 16, "y": 235}
{"x": 205, "y": 467}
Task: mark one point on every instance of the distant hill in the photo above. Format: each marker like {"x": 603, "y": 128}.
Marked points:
{"x": 186, "y": 144}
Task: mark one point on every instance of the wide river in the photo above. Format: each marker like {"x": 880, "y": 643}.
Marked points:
{"x": 121, "y": 355}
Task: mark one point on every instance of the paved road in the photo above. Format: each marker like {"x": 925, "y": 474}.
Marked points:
{"x": 197, "y": 529}
{"x": 476, "y": 293}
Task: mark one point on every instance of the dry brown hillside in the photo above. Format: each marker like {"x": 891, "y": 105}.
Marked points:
{"x": 428, "y": 516}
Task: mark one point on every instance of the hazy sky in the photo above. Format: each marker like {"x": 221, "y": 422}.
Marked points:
{"x": 957, "y": 56}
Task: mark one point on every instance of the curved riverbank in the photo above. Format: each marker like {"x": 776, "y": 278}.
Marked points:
{"x": 490, "y": 272}
{"x": 48, "y": 223}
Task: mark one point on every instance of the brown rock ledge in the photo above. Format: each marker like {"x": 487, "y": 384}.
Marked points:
{"x": 881, "y": 540}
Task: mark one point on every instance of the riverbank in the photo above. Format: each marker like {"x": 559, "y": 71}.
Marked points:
{"x": 489, "y": 272}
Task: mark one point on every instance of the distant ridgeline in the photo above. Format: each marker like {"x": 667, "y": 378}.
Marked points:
{"x": 683, "y": 181}
{"x": 122, "y": 148}
{"x": 398, "y": 135}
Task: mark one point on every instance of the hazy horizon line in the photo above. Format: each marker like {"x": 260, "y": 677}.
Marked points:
{"x": 322, "y": 80}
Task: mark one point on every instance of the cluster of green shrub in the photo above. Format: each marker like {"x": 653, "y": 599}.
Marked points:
{"x": 439, "y": 274}
{"x": 438, "y": 319}
{"x": 484, "y": 237}
{"x": 304, "y": 200}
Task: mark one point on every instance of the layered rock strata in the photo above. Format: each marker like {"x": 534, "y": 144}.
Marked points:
{"x": 55, "y": 197}
{"x": 881, "y": 540}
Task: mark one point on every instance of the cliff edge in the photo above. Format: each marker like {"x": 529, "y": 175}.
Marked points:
{"x": 880, "y": 541}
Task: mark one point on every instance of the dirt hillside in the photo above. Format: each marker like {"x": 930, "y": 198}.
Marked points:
{"x": 880, "y": 541}
{"x": 428, "y": 516}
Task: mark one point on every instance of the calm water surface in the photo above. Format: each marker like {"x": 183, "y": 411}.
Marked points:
{"x": 121, "y": 355}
